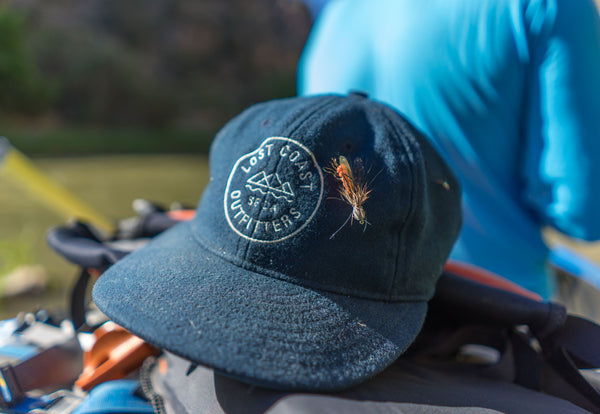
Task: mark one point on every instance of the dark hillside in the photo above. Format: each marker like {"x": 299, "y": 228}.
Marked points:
{"x": 147, "y": 64}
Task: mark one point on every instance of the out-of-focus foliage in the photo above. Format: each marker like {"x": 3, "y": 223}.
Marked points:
{"x": 182, "y": 64}
{"x": 22, "y": 89}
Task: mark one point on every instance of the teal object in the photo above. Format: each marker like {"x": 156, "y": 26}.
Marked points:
{"x": 571, "y": 262}
{"x": 115, "y": 397}
{"x": 509, "y": 92}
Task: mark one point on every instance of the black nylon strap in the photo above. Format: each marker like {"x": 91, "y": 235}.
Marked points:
{"x": 528, "y": 363}
{"x": 472, "y": 302}
{"x": 581, "y": 339}
{"x": 78, "y": 300}
{"x": 568, "y": 343}
{"x": 148, "y": 391}
{"x": 78, "y": 244}
{"x": 566, "y": 369}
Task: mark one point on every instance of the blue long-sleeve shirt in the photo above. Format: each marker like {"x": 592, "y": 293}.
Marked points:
{"x": 509, "y": 92}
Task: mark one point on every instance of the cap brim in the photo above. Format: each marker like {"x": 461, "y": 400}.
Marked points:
{"x": 181, "y": 297}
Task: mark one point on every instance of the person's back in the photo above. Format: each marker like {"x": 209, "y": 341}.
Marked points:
{"x": 507, "y": 89}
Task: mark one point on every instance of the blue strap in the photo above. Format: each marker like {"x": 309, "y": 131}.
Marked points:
{"x": 118, "y": 396}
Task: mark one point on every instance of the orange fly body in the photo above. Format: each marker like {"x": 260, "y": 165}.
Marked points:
{"x": 354, "y": 189}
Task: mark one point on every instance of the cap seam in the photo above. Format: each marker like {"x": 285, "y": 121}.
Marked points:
{"x": 402, "y": 131}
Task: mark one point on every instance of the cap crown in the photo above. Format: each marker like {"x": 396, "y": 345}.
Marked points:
{"x": 271, "y": 207}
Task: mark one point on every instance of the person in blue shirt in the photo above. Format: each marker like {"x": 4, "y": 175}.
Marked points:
{"x": 508, "y": 91}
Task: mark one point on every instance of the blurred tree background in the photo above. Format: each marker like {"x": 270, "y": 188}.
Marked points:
{"x": 117, "y": 100}
{"x": 90, "y": 76}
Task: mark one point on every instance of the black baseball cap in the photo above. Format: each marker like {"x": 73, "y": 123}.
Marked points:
{"x": 256, "y": 287}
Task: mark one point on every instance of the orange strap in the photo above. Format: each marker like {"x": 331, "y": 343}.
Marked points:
{"x": 116, "y": 353}
{"x": 181, "y": 215}
{"x": 485, "y": 277}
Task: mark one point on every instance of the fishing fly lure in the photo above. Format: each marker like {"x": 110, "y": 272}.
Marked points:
{"x": 353, "y": 190}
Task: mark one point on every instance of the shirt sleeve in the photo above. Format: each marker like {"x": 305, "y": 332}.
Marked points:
{"x": 337, "y": 53}
{"x": 562, "y": 170}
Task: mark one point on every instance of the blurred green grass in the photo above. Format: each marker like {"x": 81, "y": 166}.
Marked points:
{"x": 110, "y": 184}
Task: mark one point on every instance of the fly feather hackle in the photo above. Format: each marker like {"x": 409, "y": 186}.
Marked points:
{"x": 354, "y": 189}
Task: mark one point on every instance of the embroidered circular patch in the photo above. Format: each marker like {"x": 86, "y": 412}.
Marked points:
{"x": 274, "y": 191}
